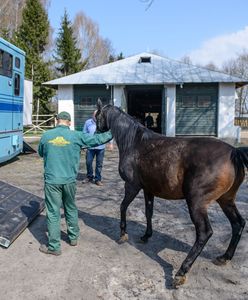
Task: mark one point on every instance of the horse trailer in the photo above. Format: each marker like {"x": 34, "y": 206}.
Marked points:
{"x": 12, "y": 66}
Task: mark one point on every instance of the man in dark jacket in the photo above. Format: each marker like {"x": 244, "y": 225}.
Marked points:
{"x": 60, "y": 149}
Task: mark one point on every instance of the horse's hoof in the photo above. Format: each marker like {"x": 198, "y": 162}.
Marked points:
{"x": 179, "y": 280}
{"x": 144, "y": 239}
{"x": 220, "y": 261}
{"x": 123, "y": 239}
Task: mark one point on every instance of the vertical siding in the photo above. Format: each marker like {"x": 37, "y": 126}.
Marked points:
{"x": 85, "y": 98}
{"x": 196, "y": 109}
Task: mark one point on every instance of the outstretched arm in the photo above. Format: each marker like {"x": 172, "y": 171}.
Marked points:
{"x": 89, "y": 140}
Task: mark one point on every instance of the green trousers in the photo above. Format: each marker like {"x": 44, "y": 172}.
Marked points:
{"x": 55, "y": 196}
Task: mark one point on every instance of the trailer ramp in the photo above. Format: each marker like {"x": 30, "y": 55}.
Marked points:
{"x": 18, "y": 208}
{"x": 27, "y": 148}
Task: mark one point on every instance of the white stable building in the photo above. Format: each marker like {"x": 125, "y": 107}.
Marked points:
{"x": 184, "y": 100}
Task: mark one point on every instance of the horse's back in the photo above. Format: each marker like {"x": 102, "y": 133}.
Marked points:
{"x": 183, "y": 151}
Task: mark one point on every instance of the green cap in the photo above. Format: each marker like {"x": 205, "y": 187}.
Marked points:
{"x": 64, "y": 116}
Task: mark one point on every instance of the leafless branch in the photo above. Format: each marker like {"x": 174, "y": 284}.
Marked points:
{"x": 148, "y": 2}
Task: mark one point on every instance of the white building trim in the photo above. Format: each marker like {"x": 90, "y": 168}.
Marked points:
{"x": 119, "y": 96}
{"x": 226, "y": 112}
{"x": 65, "y": 101}
{"x": 170, "y": 102}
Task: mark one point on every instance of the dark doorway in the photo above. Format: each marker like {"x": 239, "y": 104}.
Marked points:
{"x": 143, "y": 101}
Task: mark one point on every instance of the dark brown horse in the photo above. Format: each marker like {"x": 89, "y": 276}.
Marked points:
{"x": 200, "y": 170}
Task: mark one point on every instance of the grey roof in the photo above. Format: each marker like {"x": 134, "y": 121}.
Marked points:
{"x": 160, "y": 70}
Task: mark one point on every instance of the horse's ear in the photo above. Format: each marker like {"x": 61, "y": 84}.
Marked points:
{"x": 99, "y": 104}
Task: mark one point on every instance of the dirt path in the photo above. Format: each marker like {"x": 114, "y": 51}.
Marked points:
{"x": 99, "y": 268}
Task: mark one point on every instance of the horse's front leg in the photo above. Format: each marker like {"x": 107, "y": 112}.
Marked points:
{"x": 130, "y": 193}
{"x": 149, "y": 199}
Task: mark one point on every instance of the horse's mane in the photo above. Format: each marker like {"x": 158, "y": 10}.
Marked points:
{"x": 125, "y": 129}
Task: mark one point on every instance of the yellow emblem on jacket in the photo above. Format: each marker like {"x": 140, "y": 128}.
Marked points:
{"x": 59, "y": 141}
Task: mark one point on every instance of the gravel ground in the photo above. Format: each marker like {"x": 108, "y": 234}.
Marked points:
{"x": 99, "y": 268}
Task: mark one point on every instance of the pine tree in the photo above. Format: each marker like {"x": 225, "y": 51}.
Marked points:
{"x": 32, "y": 37}
{"x": 68, "y": 56}
{"x": 120, "y": 56}
{"x": 113, "y": 58}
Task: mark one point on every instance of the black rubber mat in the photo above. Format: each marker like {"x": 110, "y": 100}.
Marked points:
{"x": 18, "y": 209}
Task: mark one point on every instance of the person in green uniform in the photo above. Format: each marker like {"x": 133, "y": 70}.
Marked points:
{"x": 60, "y": 148}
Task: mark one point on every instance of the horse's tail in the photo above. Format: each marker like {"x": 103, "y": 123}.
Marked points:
{"x": 239, "y": 158}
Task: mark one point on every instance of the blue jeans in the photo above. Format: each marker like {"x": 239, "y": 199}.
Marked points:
{"x": 99, "y": 154}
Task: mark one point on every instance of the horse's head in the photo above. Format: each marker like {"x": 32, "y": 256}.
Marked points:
{"x": 101, "y": 122}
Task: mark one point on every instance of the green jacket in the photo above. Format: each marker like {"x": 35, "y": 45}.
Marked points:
{"x": 60, "y": 147}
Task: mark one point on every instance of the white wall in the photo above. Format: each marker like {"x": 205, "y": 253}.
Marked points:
{"x": 119, "y": 97}
{"x": 65, "y": 101}
{"x": 170, "y": 98}
{"x": 27, "y": 102}
{"x": 226, "y": 112}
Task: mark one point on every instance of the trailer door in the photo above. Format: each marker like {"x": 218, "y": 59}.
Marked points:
{"x": 17, "y": 103}
{"x": 6, "y": 91}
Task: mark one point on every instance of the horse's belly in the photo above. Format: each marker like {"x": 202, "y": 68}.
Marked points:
{"x": 167, "y": 189}
{"x": 169, "y": 194}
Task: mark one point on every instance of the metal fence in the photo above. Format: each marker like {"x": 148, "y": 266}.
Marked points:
{"x": 40, "y": 123}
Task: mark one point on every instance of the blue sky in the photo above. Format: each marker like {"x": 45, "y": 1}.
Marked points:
{"x": 206, "y": 30}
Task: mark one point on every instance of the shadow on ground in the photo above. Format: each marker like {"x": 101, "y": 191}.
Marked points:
{"x": 109, "y": 227}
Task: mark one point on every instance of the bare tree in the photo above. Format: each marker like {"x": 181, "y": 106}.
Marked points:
{"x": 211, "y": 66}
{"x": 11, "y": 15}
{"x": 186, "y": 60}
{"x": 95, "y": 50}
{"x": 239, "y": 67}
{"x": 148, "y": 3}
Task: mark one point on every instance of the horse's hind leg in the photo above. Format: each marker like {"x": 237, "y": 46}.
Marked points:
{"x": 237, "y": 222}
{"x": 198, "y": 214}
{"x": 130, "y": 193}
{"x": 149, "y": 199}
